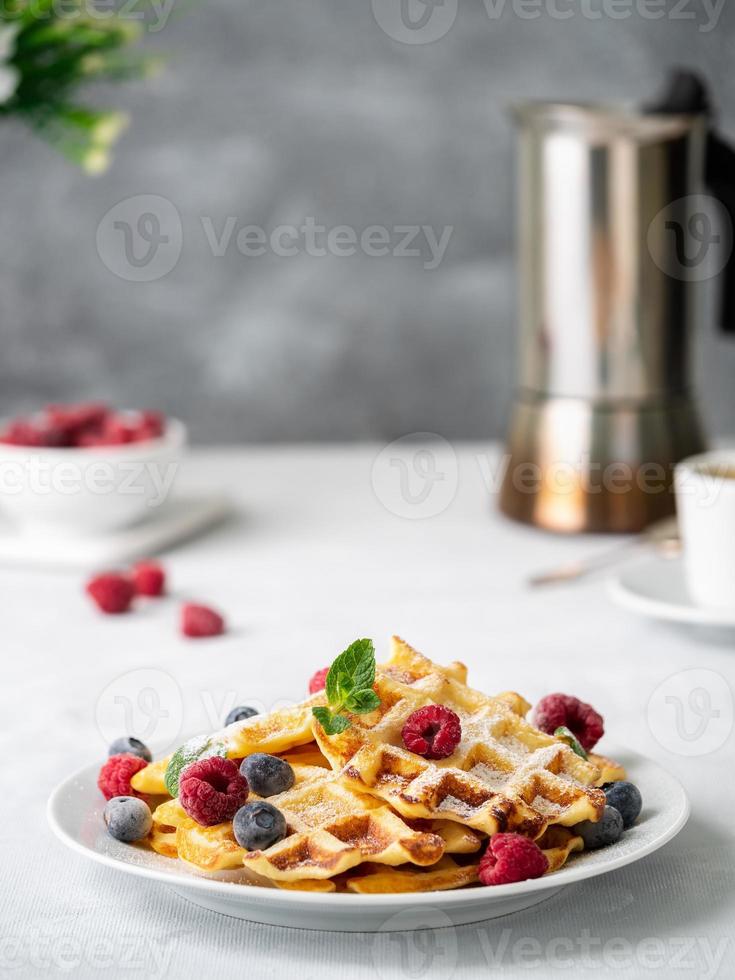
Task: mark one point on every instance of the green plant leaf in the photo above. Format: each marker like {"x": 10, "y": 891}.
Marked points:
{"x": 362, "y": 702}
{"x": 353, "y": 669}
{"x": 567, "y": 736}
{"x": 332, "y": 724}
{"x": 201, "y": 747}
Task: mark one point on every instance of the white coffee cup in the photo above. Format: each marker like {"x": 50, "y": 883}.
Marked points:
{"x": 705, "y": 503}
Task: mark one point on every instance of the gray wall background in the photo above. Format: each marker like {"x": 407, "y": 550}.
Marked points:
{"x": 271, "y": 112}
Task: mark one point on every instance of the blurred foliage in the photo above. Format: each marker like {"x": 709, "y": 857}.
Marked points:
{"x": 49, "y": 50}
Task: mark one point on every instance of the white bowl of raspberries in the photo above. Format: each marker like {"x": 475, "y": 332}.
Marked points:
{"x": 86, "y": 468}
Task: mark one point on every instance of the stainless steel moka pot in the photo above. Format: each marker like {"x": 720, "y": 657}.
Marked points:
{"x": 604, "y": 405}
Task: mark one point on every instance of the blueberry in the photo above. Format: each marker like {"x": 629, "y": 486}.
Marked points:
{"x": 267, "y": 774}
{"x": 133, "y": 746}
{"x": 626, "y": 799}
{"x": 127, "y": 818}
{"x": 240, "y": 714}
{"x": 258, "y": 825}
{"x": 607, "y": 830}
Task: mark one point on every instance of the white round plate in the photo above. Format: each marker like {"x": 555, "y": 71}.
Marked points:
{"x": 75, "y": 815}
{"x": 657, "y": 587}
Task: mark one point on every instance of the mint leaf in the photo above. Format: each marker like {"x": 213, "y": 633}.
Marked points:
{"x": 349, "y": 687}
{"x": 352, "y": 670}
{"x": 362, "y": 702}
{"x": 567, "y": 736}
{"x": 332, "y": 724}
{"x": 201, "y": 747}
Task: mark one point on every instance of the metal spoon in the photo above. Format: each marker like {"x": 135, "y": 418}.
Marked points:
{"x": 663, "y": 536}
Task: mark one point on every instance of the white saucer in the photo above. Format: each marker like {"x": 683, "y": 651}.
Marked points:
{"x": 180, "y": 518}
{"x": 656, "y": 587}
{"x": 75, "y": 815}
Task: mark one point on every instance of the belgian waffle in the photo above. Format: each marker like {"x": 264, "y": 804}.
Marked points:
{"x": 333, "y": 828}
{"x": 175, "y": 834}
{"x": 366, "y": 815}
{"x": 289, "y": 728}
{"x": 557, "y": 844}
{"x": 504, "y": 775}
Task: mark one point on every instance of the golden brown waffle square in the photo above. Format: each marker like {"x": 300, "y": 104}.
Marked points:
{"x": 279, "y": 731}
{"x": 333, "y": 828}
{"x": 289, "y": 728}
{"x": 504, "y": 775}
{"x": 372, "y": 879}
{"x": 176, "y": 834}
{"x": 557, "y": 843}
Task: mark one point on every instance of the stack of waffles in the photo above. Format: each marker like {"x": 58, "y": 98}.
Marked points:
{"x": 366, "y": 815}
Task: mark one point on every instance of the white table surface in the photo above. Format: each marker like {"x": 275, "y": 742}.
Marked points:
{"x": 314, "y": 560}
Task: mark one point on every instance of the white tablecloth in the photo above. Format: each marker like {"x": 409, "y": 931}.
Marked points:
{"x": 325, "y": 549}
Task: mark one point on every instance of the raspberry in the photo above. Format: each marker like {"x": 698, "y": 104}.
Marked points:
{"x": 212, "y": 790}
{"x": 152, "y": 424}
{"x": 77, "y": 420}
{"x": 511, "y": 857}
{"x": 433, "y": 732}
{"x": 581, "y": 719}
{"x": 319, "y": 681}
{"x": 197, "y": 621}
{"x": 149, "y": 578}
{"x": 115, "y": 775}
{"x": 112, "y": 591}
{"x": 83, "y": 424}
{"x": 118, "y": 429}
{"x": 36, "y": 432}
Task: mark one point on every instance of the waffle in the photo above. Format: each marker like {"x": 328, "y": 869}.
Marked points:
{"x": 504, "y": 775}
{"x": 367, "y": 816}
{"x": 175, "y": 834}
{"x": 610, "y": 771}
{"x": 150, "y": 780}
{"x": 557, "y": 843}
{"x": 445, "y": 874}
{"x": 333, "y": 828}
{"x": 289, "y": 729}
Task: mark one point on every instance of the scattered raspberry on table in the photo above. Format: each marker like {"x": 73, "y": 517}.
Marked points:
{"x": 200, "y": 621}
{"x": 149, "y": 578}
{"x": 111, "y": 591}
